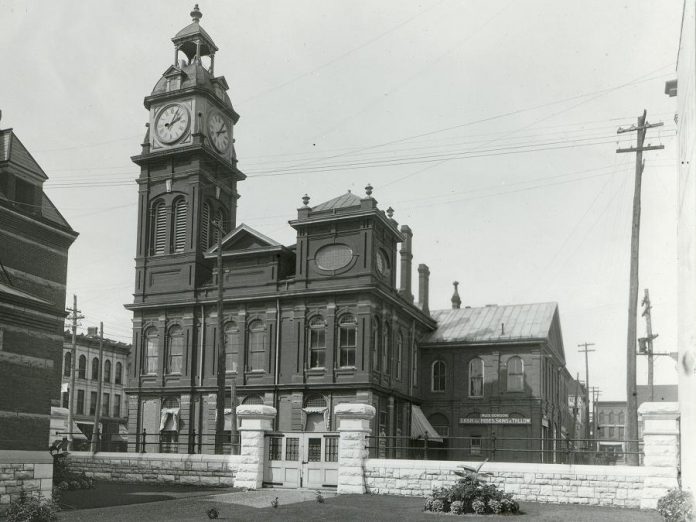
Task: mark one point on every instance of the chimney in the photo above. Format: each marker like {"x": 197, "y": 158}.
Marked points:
{"x": 406, "y": 257}
{"x": 423, "y": 288}
{"x": 456, "y": 300}
{"x": 92, "y": 331}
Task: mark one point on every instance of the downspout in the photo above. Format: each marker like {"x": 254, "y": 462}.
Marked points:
{"x": 277, "y": 360}
{"x": 200, "y": 345}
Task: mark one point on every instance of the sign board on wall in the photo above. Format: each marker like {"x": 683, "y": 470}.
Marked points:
{"x": 495, "y": 418}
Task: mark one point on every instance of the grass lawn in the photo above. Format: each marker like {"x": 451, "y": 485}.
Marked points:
{"x": 139, "y": 502}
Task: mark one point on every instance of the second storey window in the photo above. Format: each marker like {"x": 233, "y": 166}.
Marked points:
{"x": 232, "y": 343}
{"x": 257, "y": 346}
{"x": 317, "y": 342}
{"x": 515, "y": 374}
{"x": 375, "y": 344}
{"x": 476, "y": 378}
{"x": 80, "y": 402}
{"x": 158, "y": 230}
{"x": 439, "y": 376}
{"x": 150, "y": 352}
{"x": 82, "y": 367}
{"x": 386, "y": 350}
{"x": 95, "y": 369}
{"x": 118, "y": 376}
{"x": 347, "y": 326}
{"x": 175, "y": 350}
{"x": 107, "y": 371}
{"x": 67, "y": 364}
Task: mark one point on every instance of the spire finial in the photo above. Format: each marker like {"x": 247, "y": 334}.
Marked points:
{"x": 456, "y": 300}
{"x": 390, "y": 212}
{"x": 196, "y": 14}
{"x": 305, "y": 200}
{"x": 368, "y": 190}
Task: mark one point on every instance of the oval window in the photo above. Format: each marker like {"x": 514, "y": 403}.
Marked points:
{"x": 333, "y": 257}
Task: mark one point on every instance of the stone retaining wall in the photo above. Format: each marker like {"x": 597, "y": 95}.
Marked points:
{"x": 621, "y": 486}
{"x": 31, "y": 471}
{"x": 164, "y": 468}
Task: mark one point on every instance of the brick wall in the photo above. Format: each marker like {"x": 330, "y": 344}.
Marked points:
{"x": 24, "y": 470}
{"x": 203, "y": 470}
{"x": 621, "y": 486}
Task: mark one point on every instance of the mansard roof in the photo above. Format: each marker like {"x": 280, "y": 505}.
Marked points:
{"x": 343, "y": 201}
{"x": 14, "y": 153}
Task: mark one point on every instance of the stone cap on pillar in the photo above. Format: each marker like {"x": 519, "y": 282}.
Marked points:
{"x": 354, "y": 416}
{"x": 257, "y": 417}
{"x": 659, "y": 417}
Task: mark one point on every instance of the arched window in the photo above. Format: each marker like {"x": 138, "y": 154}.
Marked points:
{"x": 386, "y": 350}
{"x": 611, "y": 417}
{"x": 205, "y": 226}
{"x": 118, "y": 377}
{"x": 399, "y": 354}
{"x": 253, "y": 399}
{"x": 67, "y": 364}
{"x": 347, "y": 327}
{"x": 375, "y": 343}
{"x": 175, "y": 350}
{"x": 257, "y": 346}
{"x": 440, "y": 423}
{"x": 82, "y": 367}
{"x": 107, "y": 371}
{"x": 515, "y": 374}
{"x": 179, "y": 211}
{"x": 150, "y": 352}
{"x": 476, "y": 378}
{"x": 232, "y": 344}
{"x": 621, "y": 418}
{"x": 95, "y": 369}
{"x": 438, "y": 380}
{"x": 317, "y": 342}
{"x": 158, "y": 234}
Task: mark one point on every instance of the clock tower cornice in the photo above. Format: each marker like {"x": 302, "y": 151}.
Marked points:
{"x": 185, "y": 152}
{"x": 187, "y": 93}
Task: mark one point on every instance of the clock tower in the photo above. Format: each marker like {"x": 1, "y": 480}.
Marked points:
{"x": 188, "y": 177}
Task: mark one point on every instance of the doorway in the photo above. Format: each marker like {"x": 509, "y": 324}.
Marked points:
{"x": 301, "y": 460}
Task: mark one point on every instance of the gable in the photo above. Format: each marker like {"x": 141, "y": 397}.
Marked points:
{"x": 244, "y": 239}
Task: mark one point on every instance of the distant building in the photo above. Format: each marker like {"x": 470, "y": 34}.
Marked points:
{"x": 34, "y": 240}
{"x": 114, "y": 408}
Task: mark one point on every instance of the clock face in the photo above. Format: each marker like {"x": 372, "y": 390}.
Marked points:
{"x": 172, "y": 123}
{"x": 382, "y": 263}
{"x": 219, "y": 132}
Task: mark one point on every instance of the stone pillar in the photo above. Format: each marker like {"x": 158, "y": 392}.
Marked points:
{"x": 353, "y": 422}
{"x": 661, "y": 449}
{"x": 256, "y": 420}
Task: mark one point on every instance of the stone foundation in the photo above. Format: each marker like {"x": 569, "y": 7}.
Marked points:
{"x": 30, "y": 471}
{"x": 163, "y": 468}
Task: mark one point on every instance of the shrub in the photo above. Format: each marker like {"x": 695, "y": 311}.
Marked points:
{"x": 438, "y": 506}
{"x": 27, "y": 508}
{"x": 428, "y": 503}
{"x": 495, "y": 506}
{"x": 479, "y": 506}
{"x": 457, "y": 507}
{"x": 676, "y": 506}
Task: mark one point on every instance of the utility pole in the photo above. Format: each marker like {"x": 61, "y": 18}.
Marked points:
{"x": 74, "y": 315}
{"x": 586, "y": 350}
{"x": 595, "y": 397}
{"x": 645, "y": 344}
{"x": 631, "y": 432}
{"x": 97, "y": 411}
{"x": 222, "y": 362}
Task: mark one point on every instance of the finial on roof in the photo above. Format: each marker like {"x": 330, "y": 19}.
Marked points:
{"x": 390, "y": 212}
{"x": 456, "y": 300}
{"x": 368, "y": 190}
{"x": 305, "y": 200}
{"x": 196, "y": 14}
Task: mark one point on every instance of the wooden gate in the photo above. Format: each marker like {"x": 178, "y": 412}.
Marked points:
{"x": 301, "y": 460}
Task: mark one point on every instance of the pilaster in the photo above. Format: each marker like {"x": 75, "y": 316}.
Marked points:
{"x": 256, "y": 420}
{"x": 353, "y": 423}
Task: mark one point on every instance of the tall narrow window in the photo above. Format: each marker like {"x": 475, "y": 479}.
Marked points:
{"x": 107, "y": 371}
{"x": 66, "y": 399}
{"x": 106, "y": 407}
{"x": 118, "y": 376}
{"x": 347, "y": 326}
{"x": 117, "y": 405}
{"x": 80, "y": 402}
{"x": 386, "y": 349}
{"x": 95, "y": 369}
{"x": 179, "y": 211}
{"x": 205, "y": 226}
{"x": 399, "y": 354}
{"x": 67, "y": 364}
{"x": 158, "y": 237}
{"x": 375, "y": 343}
{"x": 439, "y": 376}
{"x": 92, "y": 402}
{"x": 232, "y": 344}
{"x": 150, "y": 352}
{"x": 175, "y": 349}
{"x": 317, "y": 342}
{"x": 515, "y": 374}
{"x": 476, "y": 378}
{"x": 257, "y": 346}
{"x": 82, "y": 367}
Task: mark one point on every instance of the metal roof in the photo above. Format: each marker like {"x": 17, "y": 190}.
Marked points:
{"x": 493, "y": 323}
{"x": 343, "y": 201}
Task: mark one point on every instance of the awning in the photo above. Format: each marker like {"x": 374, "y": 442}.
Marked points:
{"x": 59, "y": 425}
{"x": 122, "y": 435}
{"x": 420, "y": 427}
{"x": 169, "y": 419}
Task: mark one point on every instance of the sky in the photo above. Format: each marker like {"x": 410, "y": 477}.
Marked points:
{"x": 489, "y": 126}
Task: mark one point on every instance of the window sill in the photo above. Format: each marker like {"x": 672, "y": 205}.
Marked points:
{"x": 345, "y": 370}
{"x": 316, "y": 370}
{"x": 475, "y": 396}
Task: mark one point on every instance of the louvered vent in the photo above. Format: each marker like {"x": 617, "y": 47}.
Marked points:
{"x": 160, "y": 230}
{"x": 180, "y": 225}
{"x": 205, "y": 225}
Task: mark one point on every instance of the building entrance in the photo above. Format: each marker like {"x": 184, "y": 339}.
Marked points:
{"x": 301, "y": 460}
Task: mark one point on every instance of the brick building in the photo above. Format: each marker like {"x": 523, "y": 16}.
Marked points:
{"x": 114, "y": 369}
{"x": 327, "y": 320}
